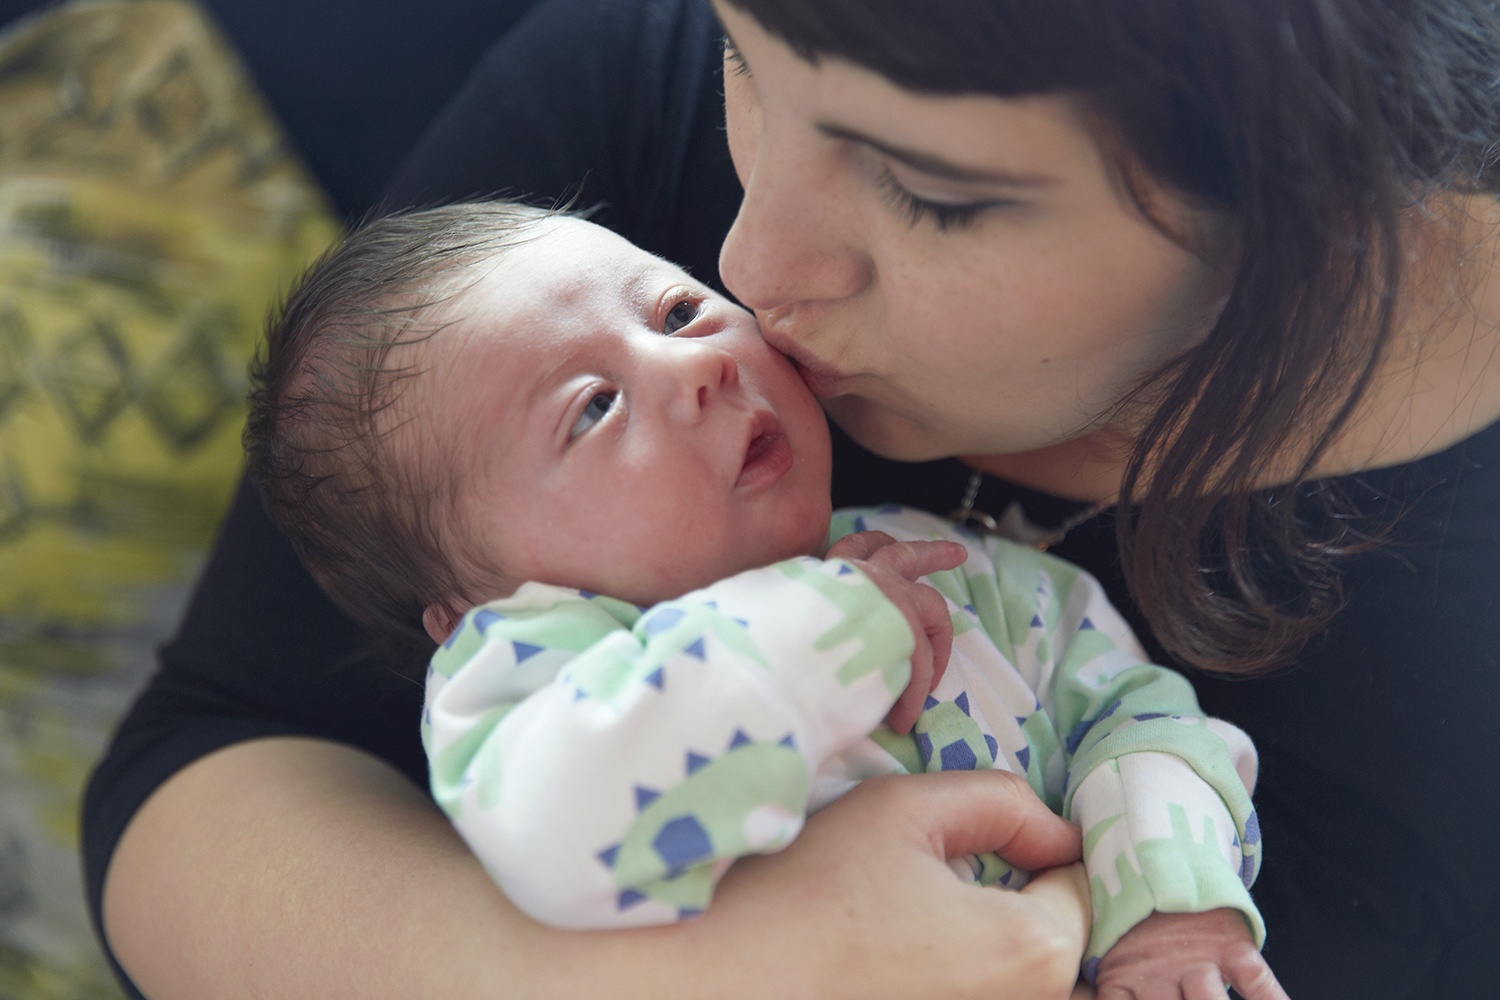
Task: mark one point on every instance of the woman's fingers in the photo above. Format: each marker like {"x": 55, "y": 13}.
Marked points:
{"x": 825, "y": 902}
{"x": 970, "y": 812}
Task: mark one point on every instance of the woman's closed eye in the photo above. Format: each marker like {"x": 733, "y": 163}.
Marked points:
{"x": 944, "y": 215}
{"x": 595, "y": 410}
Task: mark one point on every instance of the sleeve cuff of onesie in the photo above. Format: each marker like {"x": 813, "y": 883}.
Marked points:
{"x": 1156, "y": 838}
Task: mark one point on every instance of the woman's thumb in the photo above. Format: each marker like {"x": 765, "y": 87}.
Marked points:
{"x": 970, "y": 812}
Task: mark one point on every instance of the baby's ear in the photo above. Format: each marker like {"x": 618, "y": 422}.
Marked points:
{"x": 439, "y": 619}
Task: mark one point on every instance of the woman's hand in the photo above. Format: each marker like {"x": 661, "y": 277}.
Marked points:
{"x": 863, "y": 903}
{"x": 897, "y": 568}
{"x": 299, "y": 868}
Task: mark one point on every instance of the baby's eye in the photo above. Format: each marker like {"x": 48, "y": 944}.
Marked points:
{"x": 680, "y": 316}
{"x": 594, "y": 411}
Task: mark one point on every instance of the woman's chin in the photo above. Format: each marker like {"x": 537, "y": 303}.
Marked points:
{"x": 888, "y": 434}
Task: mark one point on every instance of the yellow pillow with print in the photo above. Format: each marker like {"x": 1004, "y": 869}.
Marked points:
{"x": 150, "y": 214}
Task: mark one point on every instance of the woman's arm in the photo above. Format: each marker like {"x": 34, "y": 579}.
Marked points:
{"x": 291, "y": 867}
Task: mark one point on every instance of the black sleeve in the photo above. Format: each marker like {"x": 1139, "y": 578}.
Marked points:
{"x": 261, "y": 652}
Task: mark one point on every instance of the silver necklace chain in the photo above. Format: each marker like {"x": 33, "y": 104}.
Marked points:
{"x": 1014, "y": 524}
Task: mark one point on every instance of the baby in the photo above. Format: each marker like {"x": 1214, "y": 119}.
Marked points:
{"x": 590, "y": 480}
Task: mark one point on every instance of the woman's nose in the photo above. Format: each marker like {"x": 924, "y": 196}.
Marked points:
{"x": 795, "y": 239}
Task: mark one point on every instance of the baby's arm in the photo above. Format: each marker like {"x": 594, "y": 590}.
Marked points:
{"x": 1162, "y": 795}
{"x": 608, "y": 763}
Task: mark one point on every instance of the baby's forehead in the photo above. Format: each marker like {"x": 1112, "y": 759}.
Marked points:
{"x": 588, "y": 254}
{"x": 585, "y": 271}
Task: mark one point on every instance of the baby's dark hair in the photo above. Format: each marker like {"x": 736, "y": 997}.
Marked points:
{"x": 364, "y": 522}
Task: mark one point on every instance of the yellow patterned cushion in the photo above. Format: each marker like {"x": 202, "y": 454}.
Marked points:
{"x": 149, "y": 215}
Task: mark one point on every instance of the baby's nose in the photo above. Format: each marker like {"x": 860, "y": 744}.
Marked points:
{"x": 704, "y": 371}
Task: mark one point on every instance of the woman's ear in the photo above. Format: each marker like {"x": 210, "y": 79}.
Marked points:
{"x": 439, "y": 619}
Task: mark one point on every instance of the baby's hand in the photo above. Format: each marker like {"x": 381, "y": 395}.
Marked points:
{"x": 895, "y": 567}
{"x": 1187, "y": 956}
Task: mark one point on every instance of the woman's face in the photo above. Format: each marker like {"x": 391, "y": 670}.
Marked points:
{"x": 953, "y": 275}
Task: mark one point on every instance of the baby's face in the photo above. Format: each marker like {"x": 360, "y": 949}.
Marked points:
{"x": 618, "y": 427}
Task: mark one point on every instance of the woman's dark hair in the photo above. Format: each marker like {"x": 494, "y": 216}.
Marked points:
{"x": 363, "y": 518}
{"x": 1313, "y": 125}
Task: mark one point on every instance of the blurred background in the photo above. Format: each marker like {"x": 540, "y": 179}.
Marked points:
{"x": 166, "y": 168}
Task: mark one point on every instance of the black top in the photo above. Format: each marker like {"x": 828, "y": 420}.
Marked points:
{"x": 1376, "y": 799}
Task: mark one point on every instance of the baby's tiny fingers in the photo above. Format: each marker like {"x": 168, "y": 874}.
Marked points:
{"x": 941, "y": 641}
{"x": 859, "y": 545}
{"x": 932, "y": 608}
{"x": 1204, "y": 982}
{"x": 1249, "y": 974}
{"x": 903, "y": 715}
{"x": 912, "y": 560}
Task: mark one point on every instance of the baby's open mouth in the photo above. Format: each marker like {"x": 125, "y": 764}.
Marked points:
{"x": 758, "y": 446}
{"x": 768, "y": 456}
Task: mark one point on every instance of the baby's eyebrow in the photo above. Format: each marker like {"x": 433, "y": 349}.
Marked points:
{"x": 653, "y": 275}
{"x": 531, "y": 392}
{"x": 544, "y": 379}
{"x": 576, "y": 359}
{"x": 638, "y": 285}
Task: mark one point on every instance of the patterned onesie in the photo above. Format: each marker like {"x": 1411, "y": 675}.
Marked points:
{"x": 607, "y": 763}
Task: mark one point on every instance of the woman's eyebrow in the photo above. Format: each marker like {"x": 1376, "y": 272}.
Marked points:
{"x": 936, "y": 166}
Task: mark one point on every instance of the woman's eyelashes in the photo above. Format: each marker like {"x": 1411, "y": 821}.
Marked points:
{"x": 733, "y": 61}
{"x": 595, "y": 410}
{"x": 943, "y": 215}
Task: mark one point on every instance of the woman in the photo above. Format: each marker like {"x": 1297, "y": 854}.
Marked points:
{"x": 1206, "y": 278}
